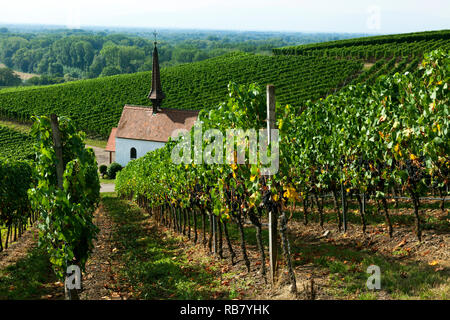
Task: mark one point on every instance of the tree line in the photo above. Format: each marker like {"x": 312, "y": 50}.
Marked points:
{"x": 64, "y": 55}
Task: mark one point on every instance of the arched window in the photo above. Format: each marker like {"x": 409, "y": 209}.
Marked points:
{"x": 133, "y": 153}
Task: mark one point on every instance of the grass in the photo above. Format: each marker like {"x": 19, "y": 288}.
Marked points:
{"x": 107, "y": 181}
{"x": 346, "y": 267}
{"x": 26, "y": 128}
{"x": 29, "y": 278}
{"x": 21, "y": 127}
{"x": 96, "y": 143}
{"x": 155, "y": 263}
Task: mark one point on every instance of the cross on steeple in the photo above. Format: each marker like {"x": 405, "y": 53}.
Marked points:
{"x": 155, "y": 34}
{"x": 156, "y": 94}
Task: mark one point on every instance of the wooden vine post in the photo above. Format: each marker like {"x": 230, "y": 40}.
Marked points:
{"x": 71, "y": 294}
{"x": 273, "y": 214}
{"x": 58, "y": 150}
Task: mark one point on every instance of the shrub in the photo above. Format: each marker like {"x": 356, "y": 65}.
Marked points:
{"x": 103, "y": 170}
{"x": 113, "y": 169}
{"x": 9, "y": 78}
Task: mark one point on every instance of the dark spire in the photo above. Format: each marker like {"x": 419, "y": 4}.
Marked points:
{"x": 156, "y": 94}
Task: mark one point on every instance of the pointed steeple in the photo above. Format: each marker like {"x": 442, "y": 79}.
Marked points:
{"x": 156, "y": 94}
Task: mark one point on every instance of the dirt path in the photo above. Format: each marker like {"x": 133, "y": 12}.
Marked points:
{"x": 98, "y": 276}
{"x": 19, "y": 249}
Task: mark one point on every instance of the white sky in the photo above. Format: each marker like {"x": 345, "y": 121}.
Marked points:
{"x": 361, "y": 16}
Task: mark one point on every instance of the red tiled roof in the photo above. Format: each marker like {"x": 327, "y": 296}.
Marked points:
{"x": 111, "y": 145}
{"x": 139, "y": 123}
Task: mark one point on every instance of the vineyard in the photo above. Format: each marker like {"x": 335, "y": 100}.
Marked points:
{"x": 60, "y": 188}
{"x": 96, "y": 105}
{"x": 366, "y": 142}
{"x": 15, "y": 179}
{"x": 15, "y": 209}
{"x": 411, "y": 44}
{"x": 14, "y": 144}
{"x": 363, "y": 145}
{"x": 300, "y": 73}
{"x": 389, "y": 54}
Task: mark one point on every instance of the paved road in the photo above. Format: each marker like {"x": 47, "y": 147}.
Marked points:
{"x": 107, "y": 187}
{"x": 101, "y": 155}
{"x": 103, "y": 158}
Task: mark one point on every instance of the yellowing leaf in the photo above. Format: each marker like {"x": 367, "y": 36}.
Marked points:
{"x": 433, "y": 106}
{"x": 397, "y": 149}
{"x": 433, "y": 263}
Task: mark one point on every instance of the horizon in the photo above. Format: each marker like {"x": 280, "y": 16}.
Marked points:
{"x": 285, "y": 16}
{"x": 103, "y": 28}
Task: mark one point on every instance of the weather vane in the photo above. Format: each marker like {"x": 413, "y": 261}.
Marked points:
{"x": 155, "y": 34}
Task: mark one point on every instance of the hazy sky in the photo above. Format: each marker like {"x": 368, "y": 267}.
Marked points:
{"x": 361, "y": 16}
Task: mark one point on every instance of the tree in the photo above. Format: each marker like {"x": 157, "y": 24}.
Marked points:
{"x": 97, "y": 66}
{"x": 22, "y": 60}
{"x": 110, "y": 52}
{"x": 43, "y": 65}
{"x": 56, "y": 69}
{"x": 110, "y": 71}
{"x": 184, "y": 55}
{"x": 201, "y": 55}
{"x": 44, "y": 80}
{"x": 130, "y": 58}
{"x": 147, "y": 66}
{"x": 8, "y": 78}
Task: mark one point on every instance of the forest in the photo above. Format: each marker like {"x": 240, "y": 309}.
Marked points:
{"x": 61, "y": 55}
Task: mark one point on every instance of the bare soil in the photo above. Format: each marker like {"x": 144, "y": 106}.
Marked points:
{"x": 99, "y": 276}
{"x": 19, "y": 249}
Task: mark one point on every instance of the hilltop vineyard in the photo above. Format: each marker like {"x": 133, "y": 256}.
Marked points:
{"x": 385, "y": 55}
{"x": 365, "y": 142}
{"x": 96, "y": 105}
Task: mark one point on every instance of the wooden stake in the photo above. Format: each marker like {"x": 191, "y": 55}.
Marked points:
{"x": 273, "y": 214}
{"x": 58, "y": 150}
{"x": 69, "y": 294}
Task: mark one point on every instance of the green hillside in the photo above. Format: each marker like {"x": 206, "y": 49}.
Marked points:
{"x": 14, "y": 144}
{"x": 381, "y": 54}
{"x": 96, "y": 105}
{"x": 299, "y": 73}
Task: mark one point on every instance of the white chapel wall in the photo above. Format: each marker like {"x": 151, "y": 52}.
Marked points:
{"x": 123, "y": 147}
